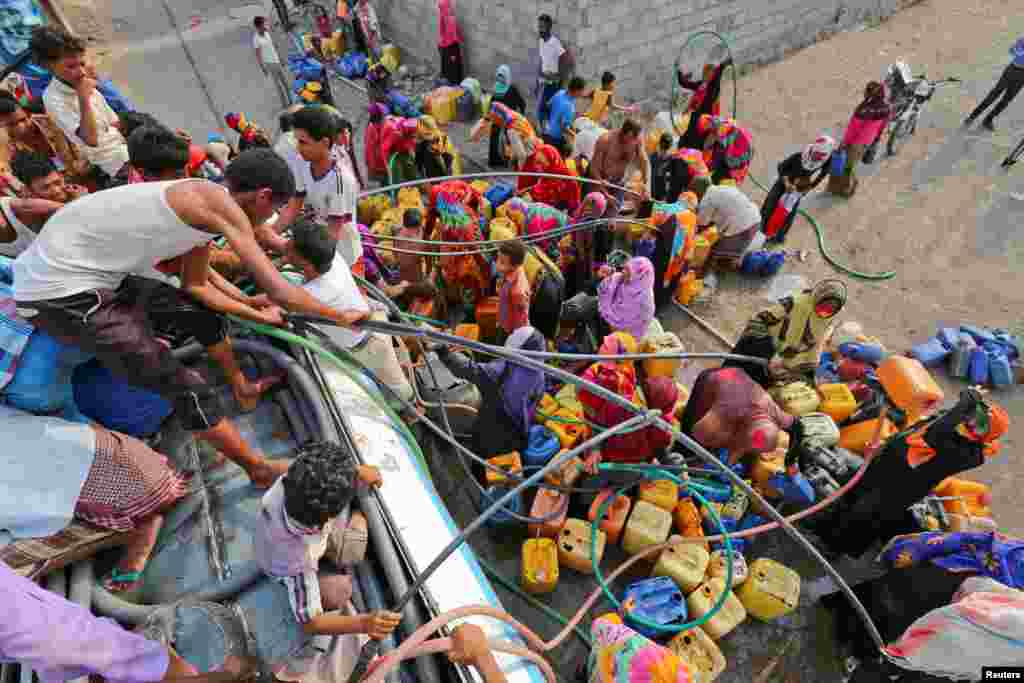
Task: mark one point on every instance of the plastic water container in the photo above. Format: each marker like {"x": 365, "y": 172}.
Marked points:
{"x": 999, "y": 370}
{"x": 648, "y": 525}
{"x": 568, "y": 427}
{"x": 865, "y": 353}
{"x": 701, "y": 250}
{"x": 615, "y": 516}
{"x": 732, "y": 614}
{"x": 662, "y": 493}
{"x": 971, "y": 524}
{"x": 566, "y": 474}
{"x": 509, "y": 462}
{"x": 574, "y": 547}
{"x": 960, "y": 359}
{"x": 852, "y": 370}
{"x": 656, "y": 600}
{"x": 949, "y": 336}
{"x": 665, "y": 342}
{"x": 487, "y": 317}
{"x": 979, "y": 334}
{"x": 468, "y": 331}
{"x": 766, "y": 466}
{"x": 705, "y": 510}
{"x": 977, "y": 372}
{"x": 969, "y": 498}
{"x": 686, "y": 564}
{"x": 819, "y": 430}
{"x": 931, "y": 353}
{"x": 702, "y": 654}
{"x": 501, "y": 518}
{"x": 542, "y": 445}
{"x": 910, "y": 386}
{"x": 771, "y": 590}
{"x": 539, "y": 568}
{"x": 545, "y": 502}
{"x": 796, "y": 398}
{"x": 717, "y": 567}
{"x": 858, "y": 436}
{"x": 690, "y": 286}
{"x": 687, "y": 516}
{"x": 736, "y": 506}
{"x": 837, "y": 401}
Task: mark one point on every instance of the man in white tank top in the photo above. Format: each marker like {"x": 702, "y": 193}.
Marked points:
{"x": 75, "y": 283}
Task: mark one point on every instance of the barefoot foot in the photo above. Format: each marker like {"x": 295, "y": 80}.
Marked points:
{"x": 248, "y": 393}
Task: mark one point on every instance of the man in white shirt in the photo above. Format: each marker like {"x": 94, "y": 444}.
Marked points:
{"x": 73, "y": 102}
{"x": 269, "y": 61}
{"x": 551, "y": 52}
{"x": 326, "y": 189}
{"x": 738, "y": 220}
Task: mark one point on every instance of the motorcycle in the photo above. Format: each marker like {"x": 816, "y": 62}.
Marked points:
{"x": 909, "y": 96}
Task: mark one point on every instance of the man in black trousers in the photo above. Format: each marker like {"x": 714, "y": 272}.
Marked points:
{"x": 1010, "y": 83}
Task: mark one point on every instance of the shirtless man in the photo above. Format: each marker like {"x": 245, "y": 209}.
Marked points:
{"x": 617, "y": 154}
{"x": 75, "y": 282}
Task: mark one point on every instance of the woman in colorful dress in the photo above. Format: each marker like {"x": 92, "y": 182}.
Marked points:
{"x": 865, "y": 127}
{"x": 728, "y": 149}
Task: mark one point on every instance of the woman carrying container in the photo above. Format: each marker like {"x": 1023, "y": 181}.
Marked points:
{"x": 705, "y": 100}
{"x": 518, "y": 131}
{"x": 789, "y": 333}
{"x": 796, "y": 179}
{"x": 866, "y": 126}
{"x": 510, "y": 395}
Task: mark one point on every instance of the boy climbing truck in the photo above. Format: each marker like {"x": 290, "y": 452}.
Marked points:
{"x": 76, "y": 281}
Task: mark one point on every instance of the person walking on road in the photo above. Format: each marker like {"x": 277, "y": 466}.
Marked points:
{"x": 269, "y": 61}
{"x": 1009, "y": 84}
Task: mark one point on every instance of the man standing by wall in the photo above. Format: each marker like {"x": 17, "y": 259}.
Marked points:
{"x": 550, "y": 81}
{"x": 269, "y": 61}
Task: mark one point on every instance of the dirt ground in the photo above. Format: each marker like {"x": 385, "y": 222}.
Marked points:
{"x": 939, "y": 214}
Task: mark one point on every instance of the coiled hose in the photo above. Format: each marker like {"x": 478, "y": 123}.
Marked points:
{"x": 831, "y": 260}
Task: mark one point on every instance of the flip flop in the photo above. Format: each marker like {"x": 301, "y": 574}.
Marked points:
{"x": 116, "y": 577}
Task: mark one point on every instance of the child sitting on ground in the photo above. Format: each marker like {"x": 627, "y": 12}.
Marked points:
{"x": 513, "y": 289}
{"x": 300, "y": 522}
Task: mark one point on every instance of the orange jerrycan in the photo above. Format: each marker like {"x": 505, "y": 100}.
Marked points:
{"x": 567, "y": 473}
{"x": 910, "y": 386}
{"x": 545, "y": 503}
{"x": 968, "y": 498}
{"x": 858, "y": 436}
{"x": 509, "y": 462}
{"x": 539, "y": 572}
{"x": 666, "y": 342}
{"x": 615, "y": 516}
{"x": 771, "y": 590}
{"x": 837, "y": 401}
{"x": 487, "y": 317}
{"x": 662, "y": 493}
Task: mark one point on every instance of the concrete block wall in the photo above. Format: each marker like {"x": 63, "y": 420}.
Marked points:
{"x": 639, "y": 40}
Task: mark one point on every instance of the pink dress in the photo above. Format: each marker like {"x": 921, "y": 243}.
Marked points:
{"x": 863, "y": 131}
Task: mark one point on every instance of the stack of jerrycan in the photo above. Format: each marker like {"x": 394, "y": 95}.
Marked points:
{"x": 975, "y": 354}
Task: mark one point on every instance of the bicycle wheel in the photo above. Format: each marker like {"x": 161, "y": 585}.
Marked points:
{"x": 896, "y": 136}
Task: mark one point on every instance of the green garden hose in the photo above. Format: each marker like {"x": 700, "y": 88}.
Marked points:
{"x": 603, "y": 510}
{"x": 887, "y": 275}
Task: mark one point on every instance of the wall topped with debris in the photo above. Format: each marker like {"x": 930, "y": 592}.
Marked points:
{"x": 638, "y": 40}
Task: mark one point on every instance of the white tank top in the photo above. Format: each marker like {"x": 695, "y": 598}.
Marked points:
{"x": 99, "y": 239}
{"x": 23, "y": 234}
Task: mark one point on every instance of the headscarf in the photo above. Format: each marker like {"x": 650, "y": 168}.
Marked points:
{"x": 733, "y": 143}
{"x": 377, "y": 108}
{"x": 816, "y": 154}
{"x": 502, "y": 79}
{"x": 989, "y": 554}
{"x": 795, "y": 327}
{"x": 622, "y": 654}
{"x": 732, "y": 411}
{"x": 615, "y": 375}
{"x": 875, "y": 105}
{"x": 594, "y": 206}
{"x": 521, "y": 387}
{"x": 996, "y": 423}
{"x": 629, "y": 306}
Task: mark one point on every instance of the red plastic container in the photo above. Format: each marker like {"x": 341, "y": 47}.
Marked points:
{"x": 852, "y": 370}
{"x": 615, "y": 517}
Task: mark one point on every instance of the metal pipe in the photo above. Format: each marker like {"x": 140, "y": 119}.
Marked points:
{"x": 495, "y": 174}
{"x": 405, "y": 330}
{"x": 547, "y": 234}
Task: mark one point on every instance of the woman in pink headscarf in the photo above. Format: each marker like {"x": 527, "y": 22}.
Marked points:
{"x": 625, "y": 299}
{"x": 449, "y": 42}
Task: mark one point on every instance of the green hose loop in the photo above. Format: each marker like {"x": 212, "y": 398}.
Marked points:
{"x": 660, "y": 628}
{"x": 875, "y": 277}
{"x": 346, "y": 368}
{"x": 511, "y": 586}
